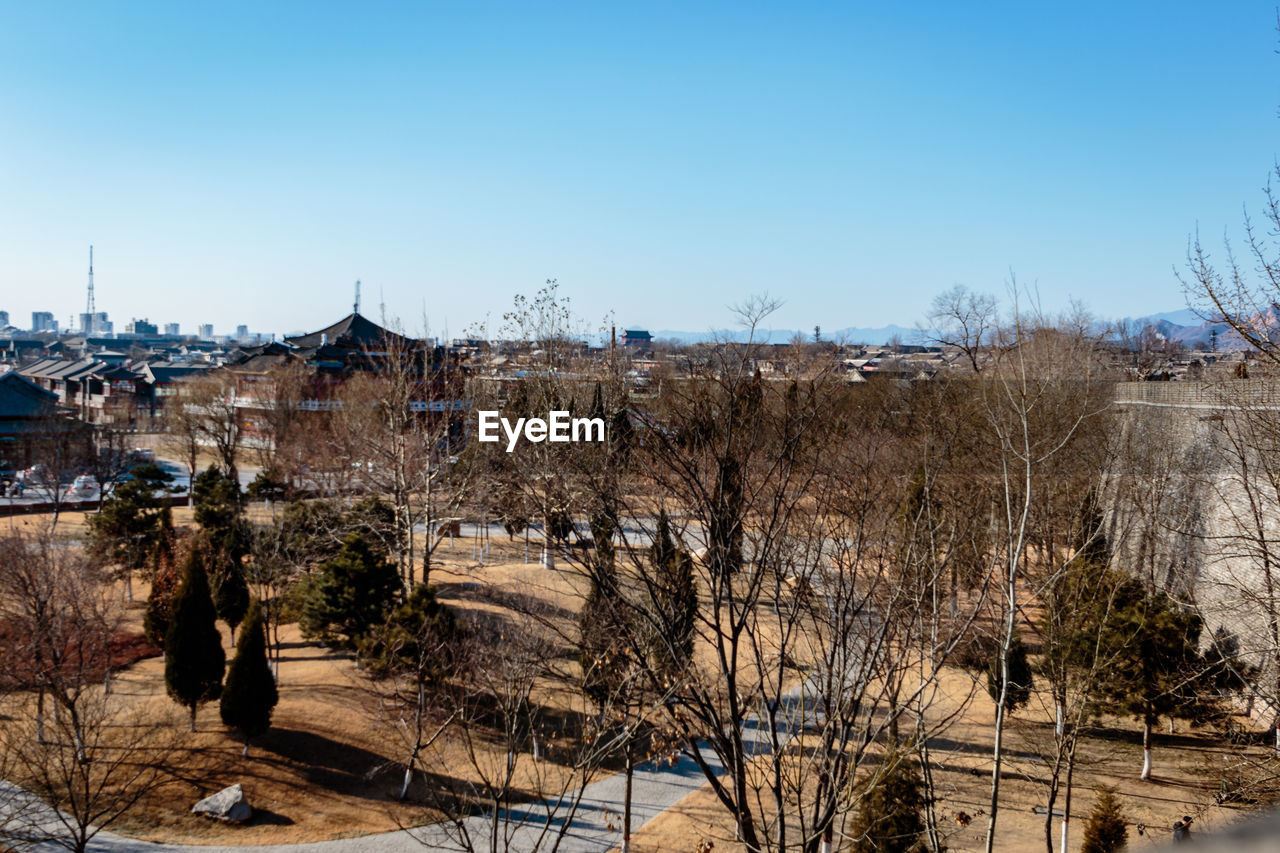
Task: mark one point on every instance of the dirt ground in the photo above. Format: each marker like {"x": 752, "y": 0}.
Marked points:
{"x": 1187, "y": 768}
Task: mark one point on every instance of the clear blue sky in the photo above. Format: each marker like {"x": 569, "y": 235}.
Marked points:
{"x": 246, "y": 163}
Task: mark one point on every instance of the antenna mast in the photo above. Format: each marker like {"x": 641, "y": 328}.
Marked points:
{"x": 89, "y": 303}
{"x": 356, "y": 308}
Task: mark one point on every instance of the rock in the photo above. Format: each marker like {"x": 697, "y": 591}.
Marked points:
{"x": 228, "y": 805}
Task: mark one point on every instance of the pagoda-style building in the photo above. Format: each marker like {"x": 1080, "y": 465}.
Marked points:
{"x": 324, "y": 359}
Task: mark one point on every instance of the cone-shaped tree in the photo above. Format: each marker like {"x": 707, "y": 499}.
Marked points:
{"x": 250, "y": 692}
{"x": 219, "y": 512}
{"x": 164, "y": 586}
{"x": 1106, "y": 831}
{"x": 194, "y": 659}
{"x": 888, "y": 818}
{"x": 602, "y": 620}
{"x": 231, "y": 594}
{"x": 675, "y": 600}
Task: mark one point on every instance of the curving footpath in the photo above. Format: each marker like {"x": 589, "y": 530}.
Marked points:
{"x": 595, "y": 827}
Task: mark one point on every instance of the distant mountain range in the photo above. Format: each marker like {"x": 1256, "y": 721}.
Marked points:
{"x": 1182, "y": 325}
{"x": 1188, "y": 329}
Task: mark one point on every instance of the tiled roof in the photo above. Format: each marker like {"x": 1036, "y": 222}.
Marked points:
{"x": 22, "y": 398}
{"x": 354, "y": 331}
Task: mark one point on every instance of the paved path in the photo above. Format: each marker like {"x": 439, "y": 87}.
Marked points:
{"x": 594, "y": 828}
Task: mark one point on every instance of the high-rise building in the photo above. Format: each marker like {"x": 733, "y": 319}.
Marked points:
{"x": 42, "y": 321}
{"x": 141, "y": 327}
{"x": 171, "y": 329}
{"x": 242, "y": 332}
{"x": 96, "y": 324}
{"x": 205, "y": 332}
{"x": 4, "y": 319}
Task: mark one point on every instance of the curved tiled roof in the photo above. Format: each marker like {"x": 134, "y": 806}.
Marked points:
{"x": 354, "y": 331}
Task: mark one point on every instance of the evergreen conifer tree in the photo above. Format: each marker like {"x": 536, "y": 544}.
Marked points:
{"x": 1020, "y": 677}
{"x": 231, "y": 594}
{"x": 194, "y": 659}
{"x": 1156, "y": 668}
{"x": 250, "y": 692}
{"x": 219, "y": 512}
{"x": 352, "y": 593}
{"x": 1106, "y": 831}
{"x": 164, "y": 585}
{"x": 675, "y": 596}
{"x": 601, "y": 620}
{"x": 888, "y": 817}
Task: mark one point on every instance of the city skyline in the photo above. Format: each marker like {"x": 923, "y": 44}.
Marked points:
{"x": 664, "y": 164}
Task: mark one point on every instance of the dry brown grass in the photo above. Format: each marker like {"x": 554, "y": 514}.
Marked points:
{"x": 1188, "y": 767}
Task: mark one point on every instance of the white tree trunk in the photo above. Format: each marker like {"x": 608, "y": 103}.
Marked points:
{"x": 1146, "y": 752}
{"x": 1063, "y": 846}
{"x": 408, "y": 778}
{"x": 1058, "y": 727}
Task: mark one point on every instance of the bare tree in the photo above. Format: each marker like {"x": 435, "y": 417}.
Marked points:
{"x": 523, "y": 778}
{"x": 283, "y": 441}
{"x": 182, "y": 433}
{"x": 90, "y": 757}
{"x": 1043, "y": 390}
{"x": 216, "y": 420}
{"x": 1247, "y": 301}
{"x": 549, "y": 343}
{"x": 399, "y": 446}
{"x": 962, "y": 318}
{"x": 805, "y": 634}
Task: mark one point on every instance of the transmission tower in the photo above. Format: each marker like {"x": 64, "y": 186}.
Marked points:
{"x": 89, "y": 303}
{"x": 356, "y": 308}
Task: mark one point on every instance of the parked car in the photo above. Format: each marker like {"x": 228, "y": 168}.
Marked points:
{"x": 83, "y": 486}
{"x": 142, "y": 456}
{"x": 34, "y": 474}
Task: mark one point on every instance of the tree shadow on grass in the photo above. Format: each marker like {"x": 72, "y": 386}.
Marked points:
{"x": 327, "y": 763}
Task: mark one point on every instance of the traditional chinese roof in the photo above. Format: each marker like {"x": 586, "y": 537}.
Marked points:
{"x": 353, "y": 332}
{"x": 22, "y": 398}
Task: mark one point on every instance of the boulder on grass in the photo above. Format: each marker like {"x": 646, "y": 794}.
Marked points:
{"x": 228, "y": 805}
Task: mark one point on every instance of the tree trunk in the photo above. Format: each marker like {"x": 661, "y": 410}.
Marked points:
{"x": 1066, "y": 803}
{"x": 626, "y": 801}
{"x": 40, "y": 716}
{"x": 998, "y": 747}
{"x": 408, "y": 778}
{"x": 192, "y": 726}
{"x": 1146, "y": 750}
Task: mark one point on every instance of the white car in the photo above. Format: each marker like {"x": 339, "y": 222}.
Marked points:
{"x": 83, "y": 486}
